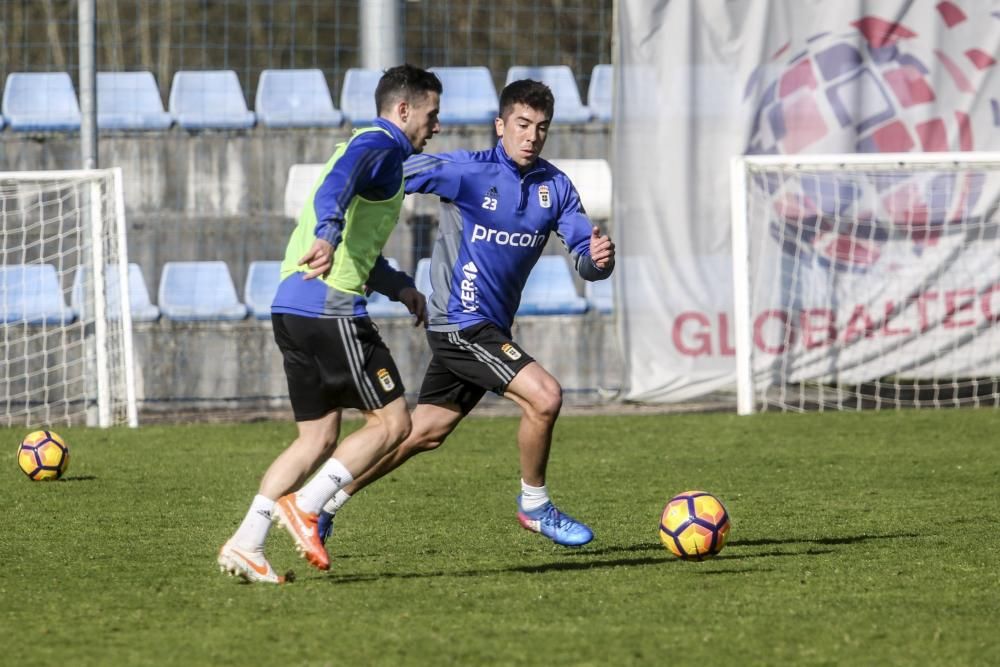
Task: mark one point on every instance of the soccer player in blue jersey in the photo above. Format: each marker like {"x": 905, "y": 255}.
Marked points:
{"x": 333, "y": 356}
{"x": 499, "y": 207}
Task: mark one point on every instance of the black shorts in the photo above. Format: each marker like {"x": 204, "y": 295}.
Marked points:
{"x": 335, "y": 363}
{"x": 469, "y": 362}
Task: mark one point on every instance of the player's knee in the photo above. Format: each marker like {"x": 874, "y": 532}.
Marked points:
{"x": 397, "y": 426}
{"x": 426, "y": 440}
{"x": 548, "y": 401}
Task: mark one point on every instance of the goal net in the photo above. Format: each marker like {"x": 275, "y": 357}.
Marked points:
{"x": 66, "y": 340}
{"x": 866, "y": 281}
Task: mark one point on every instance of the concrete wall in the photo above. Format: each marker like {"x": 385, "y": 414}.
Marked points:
{"x": 237, "y": 365}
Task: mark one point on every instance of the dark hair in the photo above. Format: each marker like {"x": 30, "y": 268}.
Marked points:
{"x": 534, "y": 94}
{"x": 405, "y": 82}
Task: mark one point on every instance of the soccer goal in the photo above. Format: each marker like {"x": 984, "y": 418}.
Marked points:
{"x": 66, "y": 352}
{"x": 866, "y": 281}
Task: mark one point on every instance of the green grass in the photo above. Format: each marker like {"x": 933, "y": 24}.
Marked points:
{"x": 858, "y": 539}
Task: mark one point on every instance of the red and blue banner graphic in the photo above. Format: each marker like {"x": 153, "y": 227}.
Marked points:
{"x": 703, "y": 81}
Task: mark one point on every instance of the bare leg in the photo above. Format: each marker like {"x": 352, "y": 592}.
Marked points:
{"x": 540, "y": 398}
{"x": 431, "y": 425}
{"x": 384, "y": 429}
{"x": 300, "y": 459}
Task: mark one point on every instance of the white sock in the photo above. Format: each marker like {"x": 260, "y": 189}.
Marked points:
{"x": 339, "y": 499}
{"x": 253, "y": 531}
{"x": 332, "y": 477}
{"x": 533, "y": 497}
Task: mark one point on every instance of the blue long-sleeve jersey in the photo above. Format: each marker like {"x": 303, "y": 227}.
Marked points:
{"x": 371, "y": 168}
{"x": 494, "y": 224}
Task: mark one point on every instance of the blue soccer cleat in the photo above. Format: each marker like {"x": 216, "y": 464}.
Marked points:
{"x": 324, "y": 526}
{"x": 553, "y": 524}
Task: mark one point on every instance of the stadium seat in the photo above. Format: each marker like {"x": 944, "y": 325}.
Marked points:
{"x": 599, "y": 295}
{"x": 469, "y": 95}
{"x": 209, "y": 99}
{"x": 592, "y": 178}
{"x": 569, "y": 108}
{"x": 130, "y": 101}
{"x": 31, "y": 294}
{"x": 263, "y": 277}
{"x": 199, "y": 291}
{"x": 550, "y": 289}
{"x": 357, "y": 96}
{"x": 40, "y": 102}
{"x": 295, "y": 98}
{"x": 298, "y": 187}
{"x": 379, "y": 305}
{"x": 422, "y": 276}
{"x": 141, "y": 308}
{"x": 599, "y": 92}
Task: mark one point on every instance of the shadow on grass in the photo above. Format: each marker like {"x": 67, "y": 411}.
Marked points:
{"x": 847, "y": 539}
{"x": 576, "y": 565}
{"x": 79, "y": 478}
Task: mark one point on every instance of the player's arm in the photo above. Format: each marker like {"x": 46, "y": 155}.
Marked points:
{"x": 366, "y": 164}
{"x": 592, "y": 251}
{"x": 398, "y": 286}
{"x": 439, "y": 174}
{"x": 387, "y": 280}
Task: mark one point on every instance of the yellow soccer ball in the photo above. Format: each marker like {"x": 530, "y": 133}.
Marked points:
{"x": 43, "y": 455}
{"x": 694, "y": 525}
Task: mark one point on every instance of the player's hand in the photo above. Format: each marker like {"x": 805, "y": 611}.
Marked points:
{"x": 319, "y": 259}
{"x": 602, "y": 250}
{"x": 416, "y": 303}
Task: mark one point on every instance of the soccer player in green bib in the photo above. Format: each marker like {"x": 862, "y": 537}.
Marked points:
{"x": 333, "y": 355}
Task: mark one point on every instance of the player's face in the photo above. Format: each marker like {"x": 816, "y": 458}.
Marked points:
{"x": 523, "y": 134}
{"x": 420, "y": 119}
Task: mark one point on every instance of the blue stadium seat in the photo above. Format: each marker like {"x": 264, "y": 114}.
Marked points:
{"x": 569, "y": 108}
{"x": 599, "y": 92}
{"x": 31, "y": 294}
{"x": 140, "y": 306}
{"x": 209, "y": 99}
{"x": 40, "y": 101}
{"x": 599, "y": 295}
{"x": 263, "y": 277}
{"x": 130, "y": 101}
{"x": 199, "y": 291}
{"x": 357, "y": 96}
{"x": 469, "y": 95}
{"x": 379, "y": 305}
{"x": 550, "y": 289}
{"x": 422, "y": 276}
{"x": 295, "y": 98}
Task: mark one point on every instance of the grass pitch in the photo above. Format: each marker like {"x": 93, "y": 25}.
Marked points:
{"x": 858, "y": 539}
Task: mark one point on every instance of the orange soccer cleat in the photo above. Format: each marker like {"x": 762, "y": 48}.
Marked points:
{"x": 302, "y": 526}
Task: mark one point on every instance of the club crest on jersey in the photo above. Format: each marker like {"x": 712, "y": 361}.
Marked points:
{"x": 543, "y": 196}
{"x": 510, "y": 351}
{"x": 385, "y": 379}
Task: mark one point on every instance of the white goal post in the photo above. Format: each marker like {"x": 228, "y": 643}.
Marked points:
{"x": 66, "y": 354}
{"x": 866, "y": 281}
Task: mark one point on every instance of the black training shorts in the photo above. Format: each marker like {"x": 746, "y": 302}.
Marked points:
{"x": 335, "y": 363}
{"x": 469, "y": 362}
